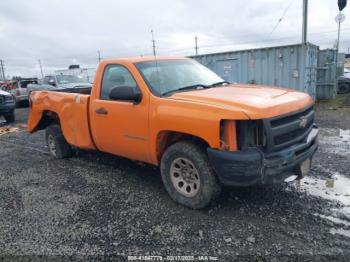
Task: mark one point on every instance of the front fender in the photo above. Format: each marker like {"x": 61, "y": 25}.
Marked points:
{"x": 195, "y": 119}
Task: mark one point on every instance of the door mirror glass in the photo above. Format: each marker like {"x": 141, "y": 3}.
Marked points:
{"x": 125, "y": 93}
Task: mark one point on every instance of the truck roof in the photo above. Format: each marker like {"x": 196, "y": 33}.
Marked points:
{"x": 143, "y": 59}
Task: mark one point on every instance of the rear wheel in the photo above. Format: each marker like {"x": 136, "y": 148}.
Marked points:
{"x": 187, "y": 175}
{"x": 10, "y": 118}
{"x": 343, "y": 88}
{"x": 57, "y": 144}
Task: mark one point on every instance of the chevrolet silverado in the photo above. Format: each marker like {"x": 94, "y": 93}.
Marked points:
{"x": 203, "y": 132}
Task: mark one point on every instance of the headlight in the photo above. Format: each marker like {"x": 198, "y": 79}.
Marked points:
{"x": 9, "y": 98}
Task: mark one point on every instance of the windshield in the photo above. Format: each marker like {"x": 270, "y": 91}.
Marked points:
{"x": 69, "y": 79}
{"x": 176, "y": 74}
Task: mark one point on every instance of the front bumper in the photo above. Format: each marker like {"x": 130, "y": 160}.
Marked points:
{"x": 257, "y": 167}
{"x": 21, "y": 98}
{"x": 7, "y": 108}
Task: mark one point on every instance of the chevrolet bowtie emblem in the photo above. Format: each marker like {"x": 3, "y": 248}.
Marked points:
{"x": 303, "y": 122}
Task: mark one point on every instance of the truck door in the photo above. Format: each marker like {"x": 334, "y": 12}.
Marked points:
{"x": 119, "y": 127}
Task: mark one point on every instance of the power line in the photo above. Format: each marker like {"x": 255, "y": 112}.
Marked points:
{"x": 255, "y": 41}
{"x": 281, "y": 18}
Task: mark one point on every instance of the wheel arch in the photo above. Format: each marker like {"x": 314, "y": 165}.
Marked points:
{"x": 47, "y": 118}
{"x": 167, "y": 138}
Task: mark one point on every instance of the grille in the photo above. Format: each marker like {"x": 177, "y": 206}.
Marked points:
{"x": 286, "y": 130}
{"x": 8, "y": 98}
{"x": 4, "y": 99}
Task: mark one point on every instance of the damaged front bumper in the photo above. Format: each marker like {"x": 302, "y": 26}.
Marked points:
{"x": 255, "y": 166}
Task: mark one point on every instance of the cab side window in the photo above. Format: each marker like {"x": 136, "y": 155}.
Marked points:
{"x": 46, "y": 80}
{"x": 115, "y": 76}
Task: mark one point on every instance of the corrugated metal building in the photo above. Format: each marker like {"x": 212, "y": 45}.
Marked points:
{"x": 326, "y": 74}
{"x": 291, "y": 66}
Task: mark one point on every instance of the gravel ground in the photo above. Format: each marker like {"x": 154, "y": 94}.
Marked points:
{"x": 96, "y": 206}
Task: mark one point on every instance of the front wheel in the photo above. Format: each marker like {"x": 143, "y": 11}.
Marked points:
{"x": 187, "y": 175}
{"x": 57, "y": 144}
{"x": 10, "y": 118}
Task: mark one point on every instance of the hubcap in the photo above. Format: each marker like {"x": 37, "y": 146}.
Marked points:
{"x": 184, "y": 177}
{"x": 52, "y": 145}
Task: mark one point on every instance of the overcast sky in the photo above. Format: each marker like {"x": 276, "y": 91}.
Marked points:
{"x": 62, "y": 32}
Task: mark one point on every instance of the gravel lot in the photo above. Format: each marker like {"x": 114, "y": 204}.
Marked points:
{"x": 97, "y": 206}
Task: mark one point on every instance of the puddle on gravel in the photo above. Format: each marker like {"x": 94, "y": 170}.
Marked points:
{"x": 335, "y": 188}
{"x": 336, "y": 141}
{"x": 340, "y": 232}
{"x": 334, "y": 219}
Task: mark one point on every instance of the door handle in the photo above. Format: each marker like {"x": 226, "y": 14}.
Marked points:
{"x": 101, "y": 111}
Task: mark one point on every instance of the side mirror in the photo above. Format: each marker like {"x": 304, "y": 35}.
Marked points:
{"x": 126, "y": 93}
{"x": 52, "y": 82}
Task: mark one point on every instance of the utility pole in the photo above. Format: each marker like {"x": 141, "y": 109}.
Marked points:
{"x": 41, "y": 69}
{"x": 153, "y": 44}
{"x": 196, "y": 44}
{"x": 99, "y": 56}
{"x": 305, "y": 12}
{"x": 2, "y": 69}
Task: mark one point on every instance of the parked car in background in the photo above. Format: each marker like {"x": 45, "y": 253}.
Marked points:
{"x": 87, "y": 73}
{"x": 19, "y": 88}
{"x": 344, "y": 82}
{"x": 7, "y": 106}
{"x": 60, "y": 81}
{"x": 7, "y": 85}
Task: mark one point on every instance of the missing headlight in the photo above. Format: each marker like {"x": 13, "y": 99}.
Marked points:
{"x": 250, "y": 134}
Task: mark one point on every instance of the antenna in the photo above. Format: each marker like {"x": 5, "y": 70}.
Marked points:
{"x": 154, "y": 45}
{"x": 196, "y": 44}
{"x": 99, "y": 55}
{"x": 155, "y": 59}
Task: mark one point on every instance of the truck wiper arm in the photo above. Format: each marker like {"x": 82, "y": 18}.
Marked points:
{"x": 219, "y": 83}
{"x": 186, "y": 88}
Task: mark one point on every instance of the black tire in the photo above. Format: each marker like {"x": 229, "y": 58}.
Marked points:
{"x": 57, "y": 144}
{"x": 10, "y": 118}
{"x": 209, "y": 186}
{"x": 343, "y": 88}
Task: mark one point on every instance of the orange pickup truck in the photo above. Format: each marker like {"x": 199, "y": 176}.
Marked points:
{"x": 173, "y": 112}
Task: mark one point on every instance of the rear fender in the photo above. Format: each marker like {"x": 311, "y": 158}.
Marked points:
{"x": 69, "y": 110}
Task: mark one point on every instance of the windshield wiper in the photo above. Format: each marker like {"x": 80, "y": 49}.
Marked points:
{"x": 219, "y": 83}
{"x": 186, "y": 88}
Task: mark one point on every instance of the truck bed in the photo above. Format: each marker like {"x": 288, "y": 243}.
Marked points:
{"x": 41, "y": 87}
{"x": 75, "y": 90}
{"x": 71, "y": 107}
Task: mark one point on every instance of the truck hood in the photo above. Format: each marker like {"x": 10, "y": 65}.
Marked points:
{"x": 3, "y": 93}
{"x": 257, "y": 102}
